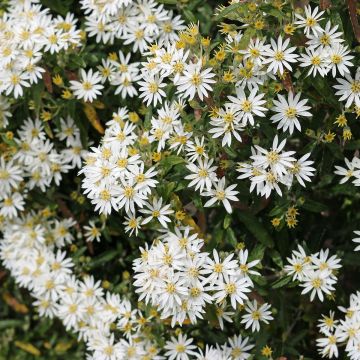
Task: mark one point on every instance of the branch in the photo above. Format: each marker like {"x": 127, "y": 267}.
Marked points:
{"x": 353, "y": 18}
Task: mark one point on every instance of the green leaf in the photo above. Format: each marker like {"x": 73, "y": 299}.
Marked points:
{"x": 257, "y": 253}
{"x": 189, "y": 16}
{"x": 281, "y": 282}
{"x": 244, "y": 42}
{"x": 276, "y": 258}
{"x": 103, "y": 258}
{"x": 272, "y": 11}
{"x": 228, "y": 10}
{"x": 231, "y": 237}
{"x": 256, "y": 228}
{"x": 169, "y": 161}
{"x": 314, "y": 206}
{"x": 227, "y": 221}
{"x": 10, "y": 323}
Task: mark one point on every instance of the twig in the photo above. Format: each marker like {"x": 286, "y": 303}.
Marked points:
{"x": 353, "y": 18}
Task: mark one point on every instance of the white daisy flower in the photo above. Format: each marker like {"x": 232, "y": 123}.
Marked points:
{"x": 275, "y": 159}
{"x": 223, "y": 194}
{"x": 349, "y": 171}
{"x": 349, "y": 89}
{"x": 180, "y": 348}
{"x": 310, "y": 22}
{"x": 203, "y": 174}
{"x": 317, "y": 60}
{"x": 356, "y": 240}
{"x": 157, "y": 211}
{"x": 339, "y": 59}
{"x": 89, "y": 87}
{"x": 151, "y": 88}
{"x": 232, "y": 287}
{"x": 195, "y": 81}
{"x": 279, "y": 56}
{"x": 92, "y": 232}
{"x": 318, "y": 282}
{"x": 288, "y": 112}
{"x": 256, "y": 314}
{"x": 248, "y": 106}
{"x": 327, "y": 38}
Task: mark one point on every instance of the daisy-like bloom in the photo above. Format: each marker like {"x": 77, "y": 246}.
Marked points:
{"x": 105, "y": 347}
{"x": 132, "y": 223}
{"x": 239, "y": 348}
{"x": 297, "y": 267}
{"x": 157, "y": 211}
{"x": 195, "y": 81}
{"x": 68, "y": 131}
{"x": 248, "y": 106}
{"x": 279, "y": 56}
{"x": 328, "y": 38}
{"x": 234, "y": 288}
{"x": 180, "y": 348}
{"x": 302, "y": 170}
{"x": 318, "y": 282}
{"x": 255, "y": 51}
{"x": 13, "y": 82}
{"x": 275, "y": 159}
{"x": 310, "y": 22}
{"x": 255, "y": 314}
{"x": 10, "y": 176}
{"x": 92, "y": 232}
{"x": 321, "y": 261}
{"x": 203, "y": 174}
{"x": 349, "y": 89}
{"x": 196, "y": 150}
{"x": 317, "y": 60}
{"x": 357, "y": 240}
{"x": 339, "y": 59}
{"x": 89, "y": 87}
{"x": 327, "y": 323}
{"x": 106, "y": 199}
{"x": 288, "y": 112}
{"x": 130, "y": 195}
{"x": 328, "y": 345}
{"x": 227, "y": 123}
{"x": 347, "y": 173}
{"x": 245, "y": 267}
{"x": 222, "y": 315}
{"x": 151, "y": 88}
{"x": 11, "y": 205}
{"x": 223, "y": 194}
{"x": 219, "y": 269}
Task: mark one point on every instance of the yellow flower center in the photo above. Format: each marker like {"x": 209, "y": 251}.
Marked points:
{"x": 290, "y": 112}
{"x": 230, "y": 288}
{"x": 279, "y": 56}
{"x": 273, "y": 157}
{"x": 196, "y": 80}
{"x": 87, "y": 85}
{"x": 310, "y": 22}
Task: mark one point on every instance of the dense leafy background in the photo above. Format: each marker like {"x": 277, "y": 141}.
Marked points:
{"x": 328, "y": 212}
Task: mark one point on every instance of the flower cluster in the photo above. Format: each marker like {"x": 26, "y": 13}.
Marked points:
{"x": 137, "y": 23}
{"x": 352, "y": 170}
{"x": 37, "y": 162}
{"x": 179, "y": 279}
{"x": 316, "y": 272}
{"x": 27, "y": 32}
{"x": 197, "y": 155}
{"x": 31, "y": 250}
{"x": 271, "y": 167}
{"x": 341, "y": 332}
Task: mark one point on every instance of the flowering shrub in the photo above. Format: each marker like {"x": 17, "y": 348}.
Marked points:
{"x": 178, "y": 179}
